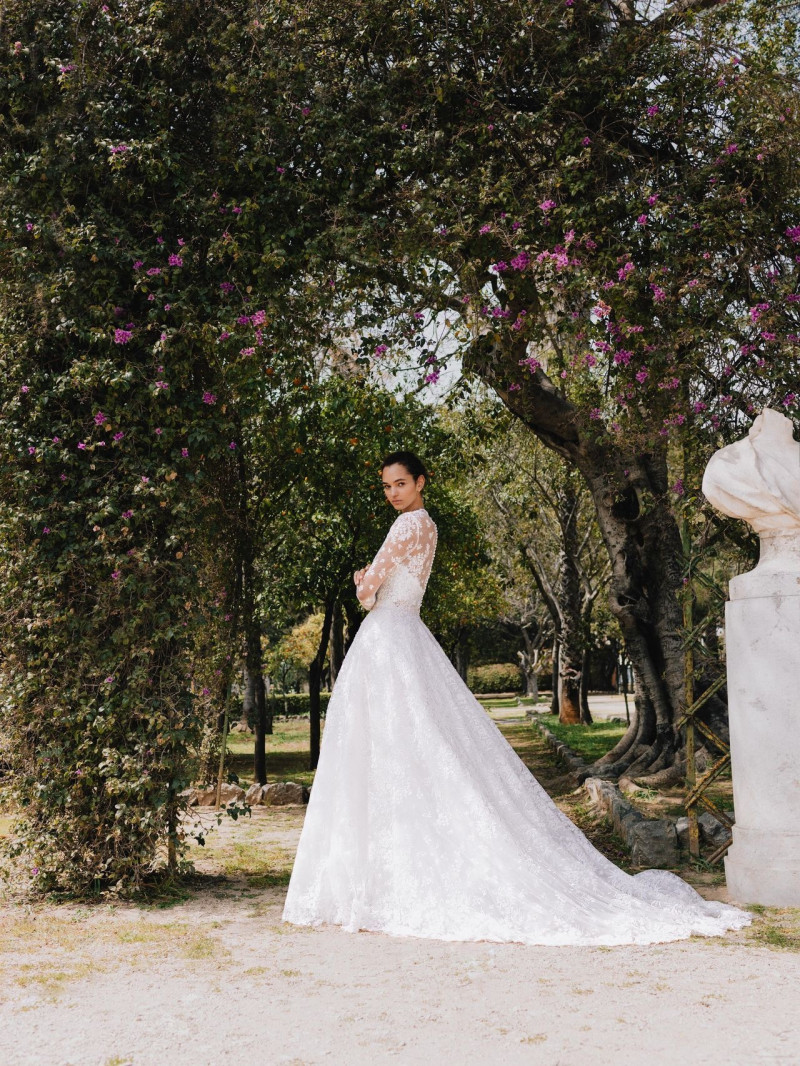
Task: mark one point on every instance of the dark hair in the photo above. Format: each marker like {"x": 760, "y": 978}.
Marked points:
{"x": 413, "y": 464}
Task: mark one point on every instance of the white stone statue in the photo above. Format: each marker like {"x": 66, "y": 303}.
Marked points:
{"x": 758, "y": 479}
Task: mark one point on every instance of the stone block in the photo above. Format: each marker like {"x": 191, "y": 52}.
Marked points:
{"x": 654, "y": 843}
{"x": 281, "y": 793}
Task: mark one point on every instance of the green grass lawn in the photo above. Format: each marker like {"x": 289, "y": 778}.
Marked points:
{"x": 589, "y": 741}
{"x": 287, "y": 753}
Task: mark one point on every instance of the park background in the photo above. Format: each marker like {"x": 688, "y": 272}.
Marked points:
{"x": 245, "y": 251}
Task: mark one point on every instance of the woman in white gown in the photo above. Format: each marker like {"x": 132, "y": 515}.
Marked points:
{"x": 424, "y": 822}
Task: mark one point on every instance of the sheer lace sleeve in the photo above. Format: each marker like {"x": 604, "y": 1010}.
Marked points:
{"x": 400, "y": 541}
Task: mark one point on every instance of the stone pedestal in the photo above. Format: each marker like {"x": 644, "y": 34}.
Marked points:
{"x": 762, "y": 639}
{"x": 758, "y": 479}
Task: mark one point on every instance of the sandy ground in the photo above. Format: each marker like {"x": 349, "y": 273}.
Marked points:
{"x": 217, "y": 977}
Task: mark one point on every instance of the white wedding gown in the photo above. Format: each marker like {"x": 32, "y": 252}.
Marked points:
{"x": 424, "y": 822}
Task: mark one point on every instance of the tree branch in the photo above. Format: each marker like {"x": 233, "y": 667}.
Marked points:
{"x": 680, "y": 8}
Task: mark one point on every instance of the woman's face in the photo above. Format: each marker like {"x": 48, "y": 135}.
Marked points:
{"x": 400, "y": 488}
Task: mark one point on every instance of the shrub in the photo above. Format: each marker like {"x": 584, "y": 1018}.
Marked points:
{"x": 496, "y": 677}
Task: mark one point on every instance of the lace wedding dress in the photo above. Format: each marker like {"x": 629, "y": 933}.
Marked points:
{"x": 424, "y": 822}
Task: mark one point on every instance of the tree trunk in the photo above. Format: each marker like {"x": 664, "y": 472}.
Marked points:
{"x": 555, "y": 674}
{"x": 569, "y": 602}
{"x": 460, "y": 654}
{"x": 315, "y": 684}
{"x": 586, "y": 714}
{"x": 260, "y": 715}
{"x": 336, "y": 653}
{"x": 586, "y": 662}
{"x": 529, "y": 660}
{"x": 630, "y": 491}
{"x": 354, "y": 615}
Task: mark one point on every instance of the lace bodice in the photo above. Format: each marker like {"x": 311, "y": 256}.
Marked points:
{"x": 398, "y": 575}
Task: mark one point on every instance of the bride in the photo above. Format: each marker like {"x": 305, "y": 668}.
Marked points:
{"x": 424, "y": 822}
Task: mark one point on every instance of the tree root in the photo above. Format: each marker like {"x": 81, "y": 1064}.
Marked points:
{"x": 666, "y": 778}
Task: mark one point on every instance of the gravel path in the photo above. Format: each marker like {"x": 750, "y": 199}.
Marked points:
{"x": 218, "y": 978}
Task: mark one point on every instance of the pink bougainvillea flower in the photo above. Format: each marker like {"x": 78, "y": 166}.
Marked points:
{"x": 122, "y": 336}
{"x": 116, "y": 575}
{"x": 159, "y": 431}
{"x": 226, "y": 286}
{"x": 232, "y": 445}
{"x": 145, "y": 479}
{"x": 175, "y": 261}
{"x": 31, "y": 450}
{"x": 56, "y": 440}
{"x": 46, "y": 529}
{"x": 24, "y": 388}
{"x": 162, "y": 384}
{"x": 127, "y": 514}
{"x": 209, "y": 397}
{"x": 153, "y": 271}
{"x": 185, "y": 453}
{"x": 81, "y": 446}
{"x": 381, "y": 349}
{"x": 547, "y": 205}
{"x": 116, "y": 149}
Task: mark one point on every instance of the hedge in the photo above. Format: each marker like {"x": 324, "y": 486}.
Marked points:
{"x": 495, "y": 677}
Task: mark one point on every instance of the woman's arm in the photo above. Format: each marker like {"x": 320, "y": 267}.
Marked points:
{"x": 400, "y": 540}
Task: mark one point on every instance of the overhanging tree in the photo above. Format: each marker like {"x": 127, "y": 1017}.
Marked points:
{"x": 603, "y": 199}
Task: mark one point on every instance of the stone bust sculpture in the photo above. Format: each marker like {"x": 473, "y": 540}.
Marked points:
{"x": 758, "y": 478}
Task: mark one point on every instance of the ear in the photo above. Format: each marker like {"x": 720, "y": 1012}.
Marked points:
{"x": 420, "y": 483}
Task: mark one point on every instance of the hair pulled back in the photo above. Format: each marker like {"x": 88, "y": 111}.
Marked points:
{"x": 413, "y": 464}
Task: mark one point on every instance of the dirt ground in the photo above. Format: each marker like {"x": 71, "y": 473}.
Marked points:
{"x": 214, "y": 976}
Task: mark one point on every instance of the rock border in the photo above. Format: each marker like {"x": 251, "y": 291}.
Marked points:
{"x": 653, "y": 842}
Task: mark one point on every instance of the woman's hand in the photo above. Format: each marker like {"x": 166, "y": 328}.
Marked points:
{"x": 358, "y": 576}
